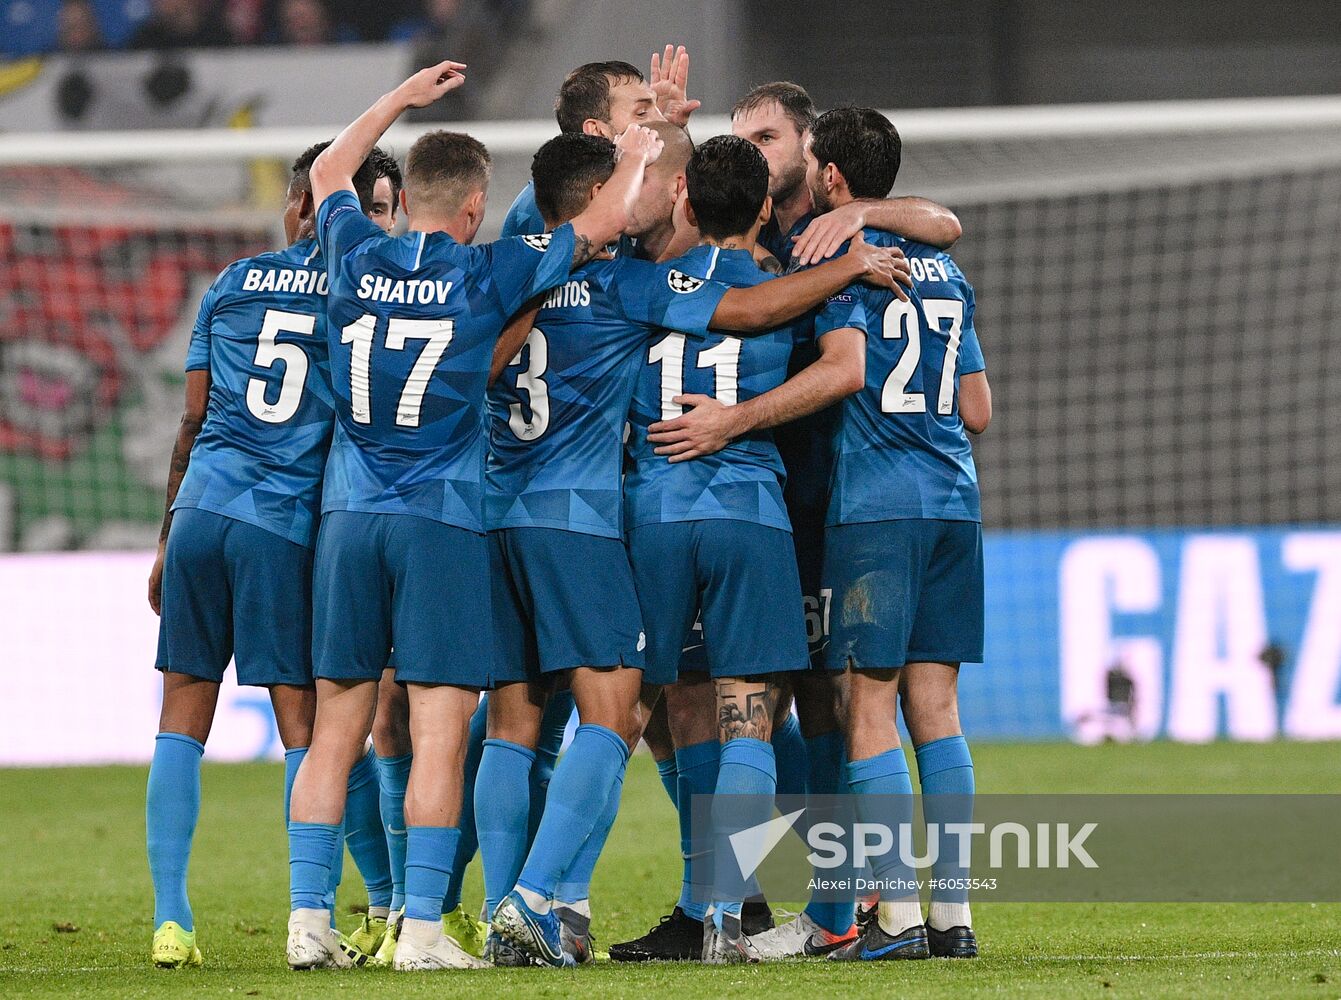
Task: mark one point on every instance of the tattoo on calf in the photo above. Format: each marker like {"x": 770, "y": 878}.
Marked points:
{"x": 745, "y": 714}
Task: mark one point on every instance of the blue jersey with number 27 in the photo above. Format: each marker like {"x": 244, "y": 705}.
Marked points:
{"x": 901, "y": 450}
{"x": 413, "y": 324}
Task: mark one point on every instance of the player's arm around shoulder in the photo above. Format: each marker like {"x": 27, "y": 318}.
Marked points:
{"x": 780, "y": 300}
{"x": 912, "y": 218}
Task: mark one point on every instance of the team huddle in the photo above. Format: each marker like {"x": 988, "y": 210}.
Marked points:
{"x": 685, "y": 451}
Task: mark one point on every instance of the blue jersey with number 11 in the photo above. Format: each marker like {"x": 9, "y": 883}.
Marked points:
{"x": 743, "y": 481}
{"x": 413, "y": 324}
{"x": 901, "y": 450}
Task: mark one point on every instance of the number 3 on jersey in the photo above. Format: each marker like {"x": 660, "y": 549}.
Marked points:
{"x": 723, "y": 359}
{"x": 536, "y": 347}
{"x": 900, "y": 321}
{"x": 436, "y": 332}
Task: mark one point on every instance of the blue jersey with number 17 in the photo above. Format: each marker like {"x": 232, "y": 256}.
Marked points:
{"x": 743, "y": 481}
{"x": 261, "y": 334}
{"x": 901, "y": 450}
{"x": 413, "y": 323}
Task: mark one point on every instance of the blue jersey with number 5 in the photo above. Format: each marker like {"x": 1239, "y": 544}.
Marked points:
{"x": 901, "y": 450}
{"x": 413, "y": 323}
{"x": 261, "y": 334}
{"x": 557, "y": 412}
{"x": 743, "y": 481}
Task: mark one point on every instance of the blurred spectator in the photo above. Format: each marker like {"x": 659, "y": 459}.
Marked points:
{"x": 180, "y": 24}
{"x": 451, "y": 29}
{"x": 77, "y": 27}
{"x": 305, "y": 22}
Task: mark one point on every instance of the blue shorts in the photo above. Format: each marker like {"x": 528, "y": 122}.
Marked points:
{"x": 907, "y": 591}
{"x": 562, "y": 599}
{"x": 402, "y": 580}
{"x": 808, "y": 540}
{"x": 741, "y": 575}
{"x": 231, "y": 589}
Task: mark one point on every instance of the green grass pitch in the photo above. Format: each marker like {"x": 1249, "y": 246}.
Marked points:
{"x": 77, "y": 910}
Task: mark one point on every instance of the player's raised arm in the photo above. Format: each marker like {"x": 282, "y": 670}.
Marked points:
{"x": 775, "y": 302}
{"x": 608, "y": 213}
{"x": 334, "y": 169}
{"x": 916, "y": 219}
{"x": 669, "y": 78}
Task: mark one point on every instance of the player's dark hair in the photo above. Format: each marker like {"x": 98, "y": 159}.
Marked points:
{"x": 364, "y": 178}
{"x": 863, "y": 144}
{"x": 790, "y": 97}
{"x": 728, "y": 182}
{"x": 564, "y": 171}
{"x": 585, "y": 92}
{"x": 385, "y": 165}
{"x": 445, "y": 167}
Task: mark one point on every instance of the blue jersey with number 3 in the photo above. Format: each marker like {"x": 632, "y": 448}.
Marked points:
{"x": 743, "y": 481}
{"x": 557, "y": 413}
{"x": 413, "y": 323}
{"x": 261, "y": 334}
{"x": 901, "y": 450}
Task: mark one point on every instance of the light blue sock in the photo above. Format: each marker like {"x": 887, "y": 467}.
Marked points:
{"x": 884, "y": 795}
{"x": 553, "y": 724}
{"x": 470, "y": 841}
{"x": 293, "y": 759}
{"x": 825, "y": 778}
{"x": 746, "y": 783}
{"x": 311, "y": 848}
{"x": 502, "y": 801}
{"x": 789, "y": 751}
{"x": 697, "y": 767}
{"x": 393, "y": 774}
{"x": 582, "y": 784}
{"x": 576, "y": 883}
{"x": 429, "y": 851}
{"x": 945, "y": 770}
{"x": 670, "y": 777}
{"x": 171, "y": 809}
{"x": 363, "y": 831}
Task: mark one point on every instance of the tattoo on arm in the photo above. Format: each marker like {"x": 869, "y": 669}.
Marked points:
{"x": 770, "y": 264}
{"x": 583, "y": 250}
{"x": 181, "y": 458}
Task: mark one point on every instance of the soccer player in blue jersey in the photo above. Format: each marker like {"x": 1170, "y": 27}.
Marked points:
{"x": 605, "y": 98}
{"x": 401, "y": 557}
{"x": 904, "y": 537}
{"x": 714, "y": 535}
{"x": 233, "y": 574}
{"x": 902, "y": 529}
{"x": 553, "y": 507}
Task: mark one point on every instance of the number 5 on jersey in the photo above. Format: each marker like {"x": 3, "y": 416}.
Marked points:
{"x": 437, "y": 333}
